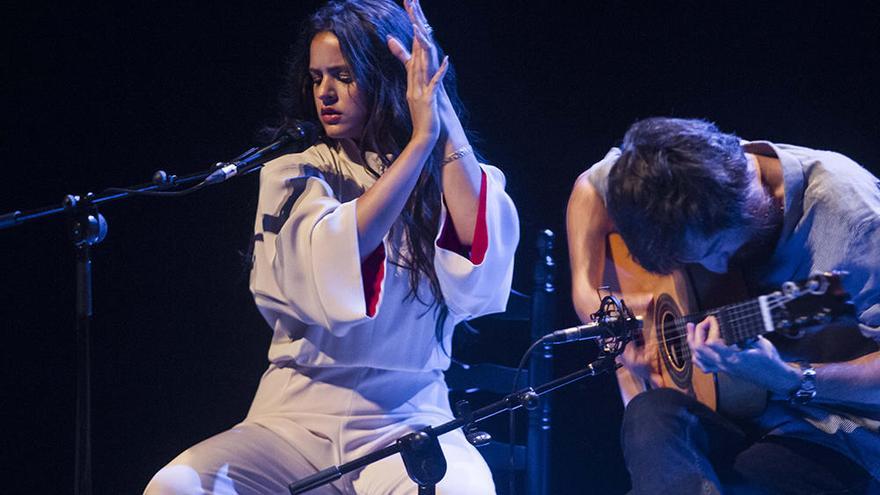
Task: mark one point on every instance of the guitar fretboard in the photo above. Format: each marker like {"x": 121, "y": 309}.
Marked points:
{"x": 737, "y": 322}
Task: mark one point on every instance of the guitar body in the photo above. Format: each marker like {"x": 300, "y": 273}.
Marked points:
{"x": 676, "y": 295}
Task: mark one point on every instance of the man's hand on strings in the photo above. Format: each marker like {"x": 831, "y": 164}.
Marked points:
{"x": 757, "y": 362}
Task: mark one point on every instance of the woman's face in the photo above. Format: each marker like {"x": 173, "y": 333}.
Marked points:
{"x": 337, "y": 100}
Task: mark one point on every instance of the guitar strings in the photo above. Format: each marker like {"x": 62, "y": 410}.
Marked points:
{"x": 745, "y": 314}
{"x": 680, "y": 323}
{"x": 774, "y": 304}
{"x": 686, "y": 353}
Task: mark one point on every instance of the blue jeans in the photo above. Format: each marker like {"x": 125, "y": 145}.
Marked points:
{"x": 675, "y": 445}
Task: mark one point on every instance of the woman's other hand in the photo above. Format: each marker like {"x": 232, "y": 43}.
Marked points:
{"x": 422, "y": 88}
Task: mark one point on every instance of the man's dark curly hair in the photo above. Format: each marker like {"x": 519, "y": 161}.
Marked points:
{"x": 679, "y": 175}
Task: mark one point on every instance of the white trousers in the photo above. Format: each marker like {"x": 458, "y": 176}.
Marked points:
{"x": 303, "y": 420}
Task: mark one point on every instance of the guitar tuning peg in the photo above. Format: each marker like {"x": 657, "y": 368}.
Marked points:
{"x": 791, "y": 290}
{"x": 818, "y": 284}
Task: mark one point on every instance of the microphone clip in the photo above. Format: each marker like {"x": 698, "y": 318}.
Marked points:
{"x": 620, "y": 320}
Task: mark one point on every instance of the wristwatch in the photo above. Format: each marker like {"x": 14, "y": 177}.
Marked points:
{"x": 807, "y": 389}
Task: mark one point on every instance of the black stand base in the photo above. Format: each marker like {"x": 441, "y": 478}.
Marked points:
{"x": 423, "y": 458}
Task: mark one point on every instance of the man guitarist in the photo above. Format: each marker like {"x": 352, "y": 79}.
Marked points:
{"x": 680, "y": 192}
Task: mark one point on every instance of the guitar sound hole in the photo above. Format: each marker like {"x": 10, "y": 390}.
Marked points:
{"x": 672, "y": 342}
{"x": 675, "y": 341}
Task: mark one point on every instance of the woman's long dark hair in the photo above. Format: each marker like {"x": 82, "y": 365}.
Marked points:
{"x": 362, "y": 27}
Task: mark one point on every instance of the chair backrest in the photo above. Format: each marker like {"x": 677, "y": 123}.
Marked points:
{"x": 536, "y": 312}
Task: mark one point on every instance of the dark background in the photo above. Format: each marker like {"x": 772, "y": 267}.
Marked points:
{"x": 99, "y": 96}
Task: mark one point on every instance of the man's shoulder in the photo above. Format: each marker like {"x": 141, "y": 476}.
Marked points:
{"x": 836, "y": 177}
{"x": 597, "y": 173}
{"x": 823, "y": 161}
{"x": 829, "y": 175}
{"x": 607, "y": 161}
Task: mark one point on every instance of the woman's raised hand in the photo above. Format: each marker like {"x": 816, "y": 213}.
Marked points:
{"x": 423, "y": 84}
{"x": 420, "y": 24}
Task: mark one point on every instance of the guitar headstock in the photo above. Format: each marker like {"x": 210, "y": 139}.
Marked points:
{"x": 814, "y": 302}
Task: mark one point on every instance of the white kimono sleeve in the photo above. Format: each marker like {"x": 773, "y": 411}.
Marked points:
{"x": 306, "y": 258}
{"x": 474, "y": 287}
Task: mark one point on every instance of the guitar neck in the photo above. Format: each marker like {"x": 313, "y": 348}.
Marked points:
{"x": 739, "y": 322}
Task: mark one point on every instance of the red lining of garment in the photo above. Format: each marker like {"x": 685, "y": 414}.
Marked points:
{"x": 373, "y": 266}
{"x": 372, "y": 274}
{"x": 481, "y": 234}
{"x": 449, "y": 240}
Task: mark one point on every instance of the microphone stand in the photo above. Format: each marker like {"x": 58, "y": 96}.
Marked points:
{"x": 421, "y": 451}
{"x": 87, "y": 228}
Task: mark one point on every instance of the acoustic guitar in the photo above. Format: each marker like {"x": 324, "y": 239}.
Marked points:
{"x": 685, "y": 296}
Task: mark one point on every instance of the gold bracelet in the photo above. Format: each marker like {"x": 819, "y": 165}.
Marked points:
{"x": 459, "y": 153}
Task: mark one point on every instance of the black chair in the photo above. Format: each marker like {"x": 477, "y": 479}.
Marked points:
{"x": 495, "y": 344}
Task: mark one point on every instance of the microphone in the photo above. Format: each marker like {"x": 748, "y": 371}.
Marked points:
{"x": 607, "y": 327}
{"x": 294, "y": 139}
{"x": 594, "y": 330}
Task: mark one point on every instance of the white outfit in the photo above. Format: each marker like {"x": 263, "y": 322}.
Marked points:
{"x": 355, "y": 363}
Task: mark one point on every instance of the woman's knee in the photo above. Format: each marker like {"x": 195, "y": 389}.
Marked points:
{"x": 467, "y": 479}
{"x": 175, "y": 480}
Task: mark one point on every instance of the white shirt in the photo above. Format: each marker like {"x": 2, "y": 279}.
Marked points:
{"x": 308, "y": 283}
